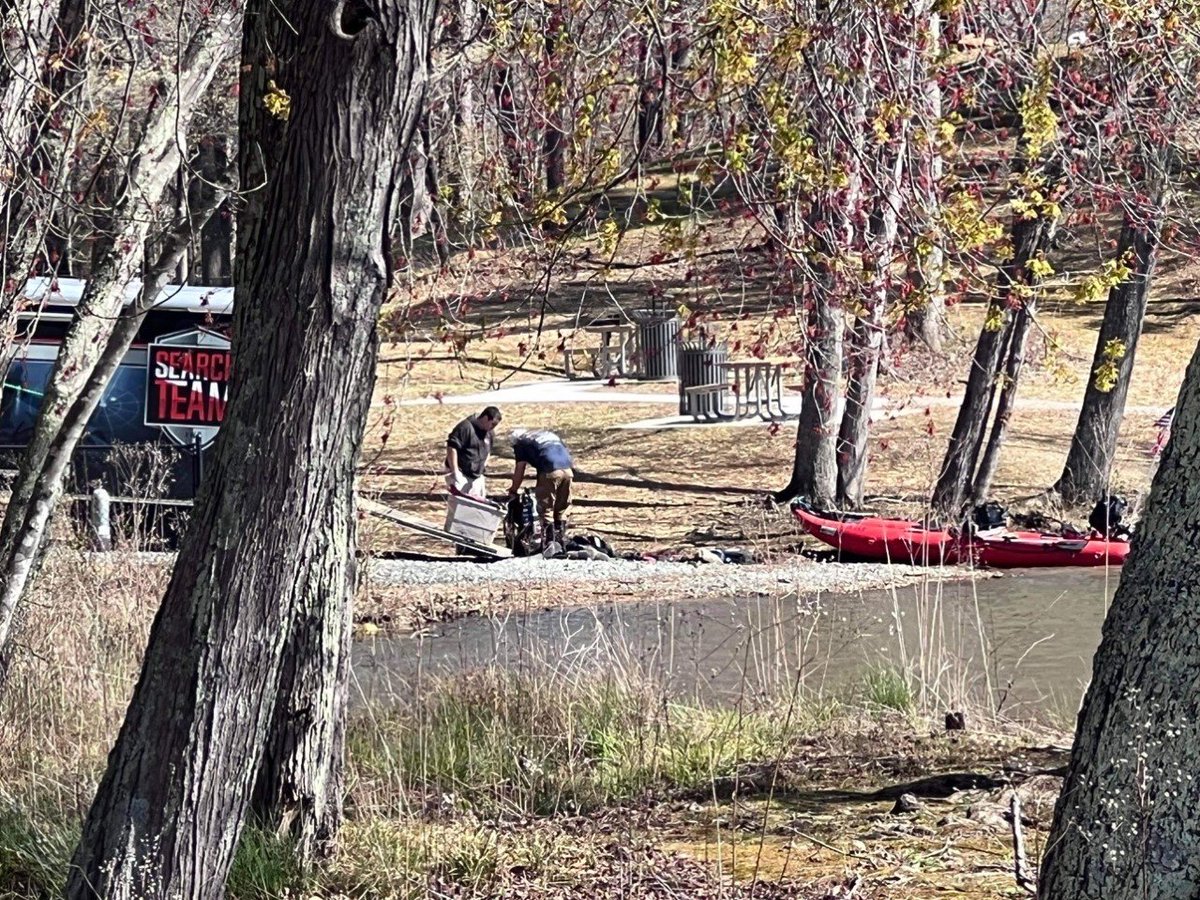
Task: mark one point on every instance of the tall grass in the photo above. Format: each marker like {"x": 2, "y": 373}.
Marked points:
{"x": 513, "y": 744}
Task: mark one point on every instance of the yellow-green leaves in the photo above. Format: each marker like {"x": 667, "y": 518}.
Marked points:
{"x": 994, "y": 320}
{"x": 964, "y": 220}
{"x": 1096, "y": 287}
{"x": 1107, "y": 373}
{"x": 1040, "y": 268}
{"x": 277, "y": 102}
{"x": 1039, "y": 124}
{"x": 1032, "y": 199}
{"x": 737, "y": 152}
{"x": 609, "y": 234}
{"x": 735, "y": 57}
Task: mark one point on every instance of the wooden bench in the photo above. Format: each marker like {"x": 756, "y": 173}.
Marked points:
{"x": 716, "y": 391}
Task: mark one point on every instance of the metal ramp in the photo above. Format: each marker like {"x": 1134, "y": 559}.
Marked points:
{"x": 379, "y": 510}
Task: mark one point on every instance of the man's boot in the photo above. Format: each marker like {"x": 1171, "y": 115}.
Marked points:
{"x": 550, "y": 544}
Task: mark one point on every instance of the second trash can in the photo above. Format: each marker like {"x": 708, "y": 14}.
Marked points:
{"x": 657, "y": 343}
{"x": 700, "y": 364}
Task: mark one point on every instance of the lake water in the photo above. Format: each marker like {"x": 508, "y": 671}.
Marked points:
{"x": 1022, "y": 643}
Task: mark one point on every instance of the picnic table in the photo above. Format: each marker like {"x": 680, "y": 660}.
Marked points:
{"x": 757, "y": 387}
{"x": 616, "y": 344}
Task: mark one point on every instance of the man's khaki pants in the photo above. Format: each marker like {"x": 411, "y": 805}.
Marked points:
{"x": 553, "y": 492}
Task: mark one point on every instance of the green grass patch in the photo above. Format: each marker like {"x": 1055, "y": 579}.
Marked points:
{"x": 499, "y": 742}
{"x": 34, "y": 854}
{"x": 885, "y": 688}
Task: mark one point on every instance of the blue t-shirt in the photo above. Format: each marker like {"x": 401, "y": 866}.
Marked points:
{"x": 544, "y": 450}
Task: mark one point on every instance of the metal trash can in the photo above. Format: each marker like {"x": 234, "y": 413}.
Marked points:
{"x": 657, "y": 343}
{"x": 700, "y": 364}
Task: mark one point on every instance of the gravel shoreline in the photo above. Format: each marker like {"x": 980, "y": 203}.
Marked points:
{"x": 407, "y": 594}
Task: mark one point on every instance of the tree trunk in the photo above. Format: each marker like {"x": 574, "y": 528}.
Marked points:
{"x": 268, "y": 564}
{"x": 833, "y": 225}
{"x": 216, "y": 237}
{"x": 952, "y": 491}
{"x": 464, "y": 145}
{"x": 1125, "y": 825}
{"x": 815, "y": 467}
{"x": 298, "y": 792}
{"x": 151, "y": 167}
{"x": 652, "y": 92}
{"x": 866, "y": 346}
{"x": 25, "y": 33}
{"x": 681, "y": 51}
{"x": 183, "y": 183}
{"x": 554, "y": 138}
{"x": 1018, "y": 338}
{"x": 926, "y": 321}
{"x": 1094, "y": 444}
{"x": 510, "y": 133}
{"x": 866, "y": 343}
{"x": 433, "y": 189}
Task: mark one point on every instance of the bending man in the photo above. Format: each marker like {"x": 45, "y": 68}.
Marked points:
{"x": 546, "y": 452}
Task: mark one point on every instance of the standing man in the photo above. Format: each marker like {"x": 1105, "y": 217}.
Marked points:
{"x": 467, "y": 450}
{"x": 546, "y": 452}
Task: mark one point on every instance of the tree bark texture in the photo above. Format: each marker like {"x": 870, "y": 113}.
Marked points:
{"x": 866, "y": 341}
{"x": 952, "y": 492}
{"x": 1125, "y": 825}
{"x": 152, "y": 166}
{"x": 180, "y": 196}
{"x": 1018, "y": 338}
{"x": 866, "y": 344}
{"x": 654, "y": 77}
{"x": 815, "y": 467}
{"x": 268, "y": 568}
{"x": 433, "y": 190}
{"x": 554, "y": 138}
{"x": 926, "y": 321}
{"x": 1094, "y": 443}
{"x": 216, "y": 236}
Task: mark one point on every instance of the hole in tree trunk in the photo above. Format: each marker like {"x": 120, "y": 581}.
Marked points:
{"x": 354, "y": 17}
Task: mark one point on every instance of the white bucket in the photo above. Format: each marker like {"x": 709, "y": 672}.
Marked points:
{"x": 473, "y": 519}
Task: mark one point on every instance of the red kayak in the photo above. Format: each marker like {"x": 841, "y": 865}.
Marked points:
{"x": 1029, "y": 549}
{"x": 883, "y": 540}
{"x": 905, "y": 541}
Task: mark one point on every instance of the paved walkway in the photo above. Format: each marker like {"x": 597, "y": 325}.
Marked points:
{"x": 568, "y": 391}
{"x": 550, "y": 391}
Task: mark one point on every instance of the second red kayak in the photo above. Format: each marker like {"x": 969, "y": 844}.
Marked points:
{"x": 905, "y": 541}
